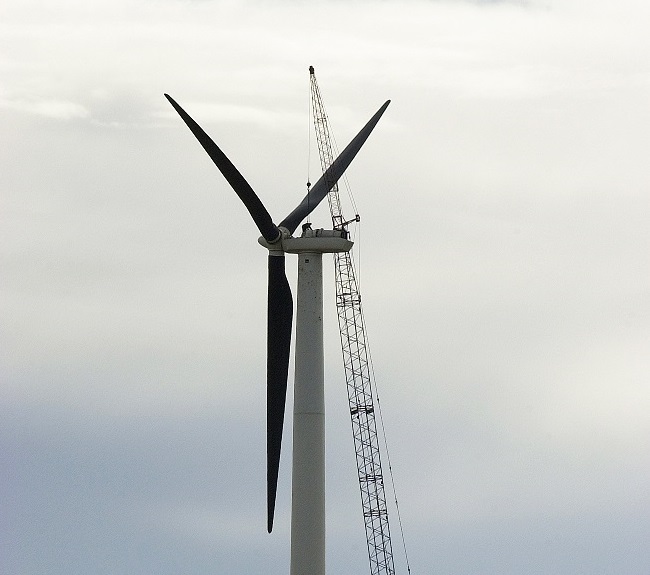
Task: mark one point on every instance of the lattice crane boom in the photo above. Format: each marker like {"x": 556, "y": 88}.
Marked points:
{"x": 357, "y": 368}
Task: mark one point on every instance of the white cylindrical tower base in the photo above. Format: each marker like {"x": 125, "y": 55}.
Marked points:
{"x": 308, "y": 473}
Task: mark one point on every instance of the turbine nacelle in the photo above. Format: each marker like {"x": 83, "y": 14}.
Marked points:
{"x": 315, "y": 241}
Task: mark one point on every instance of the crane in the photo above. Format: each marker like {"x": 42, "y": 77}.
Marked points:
{"x": 356, "y": 365}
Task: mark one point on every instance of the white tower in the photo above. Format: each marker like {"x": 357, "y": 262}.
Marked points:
{"x": 308, "y": 467}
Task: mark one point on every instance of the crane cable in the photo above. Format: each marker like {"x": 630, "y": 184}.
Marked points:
{"x": 356, "y": 265}
{"x": 309, "y": 129}
{"x": 384, "y": 437}
{"x": 390, "y": 467}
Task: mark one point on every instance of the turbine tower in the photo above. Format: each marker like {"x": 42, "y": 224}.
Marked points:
{"x": 308, "y": 462}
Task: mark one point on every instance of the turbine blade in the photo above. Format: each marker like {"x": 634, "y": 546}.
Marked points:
{"x": 280, "y": 317}
{"x": 246, "y": 194}
{"x": 321, "y": 188}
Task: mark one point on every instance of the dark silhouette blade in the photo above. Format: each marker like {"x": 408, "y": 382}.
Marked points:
{"x": 321, "y": 188}
{"x": 280, "y": 317}
{"x": 246, "y": 194}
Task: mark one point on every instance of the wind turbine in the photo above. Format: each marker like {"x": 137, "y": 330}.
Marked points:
{"x": 308, "y": 462}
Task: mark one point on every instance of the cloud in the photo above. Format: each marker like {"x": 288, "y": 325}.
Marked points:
{"x": 502, "y": 254}
{"x": 55, "y": 109}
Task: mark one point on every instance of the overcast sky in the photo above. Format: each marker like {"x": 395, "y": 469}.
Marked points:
{"x": 503, "y": 253}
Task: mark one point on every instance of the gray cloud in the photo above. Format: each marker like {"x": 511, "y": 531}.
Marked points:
{"x": 502, "y": 252}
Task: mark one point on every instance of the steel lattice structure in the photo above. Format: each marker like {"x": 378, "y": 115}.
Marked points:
{"x": 357, "y": 370}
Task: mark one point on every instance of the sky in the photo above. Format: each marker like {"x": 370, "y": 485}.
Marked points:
{"x": 503, "y": 255}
